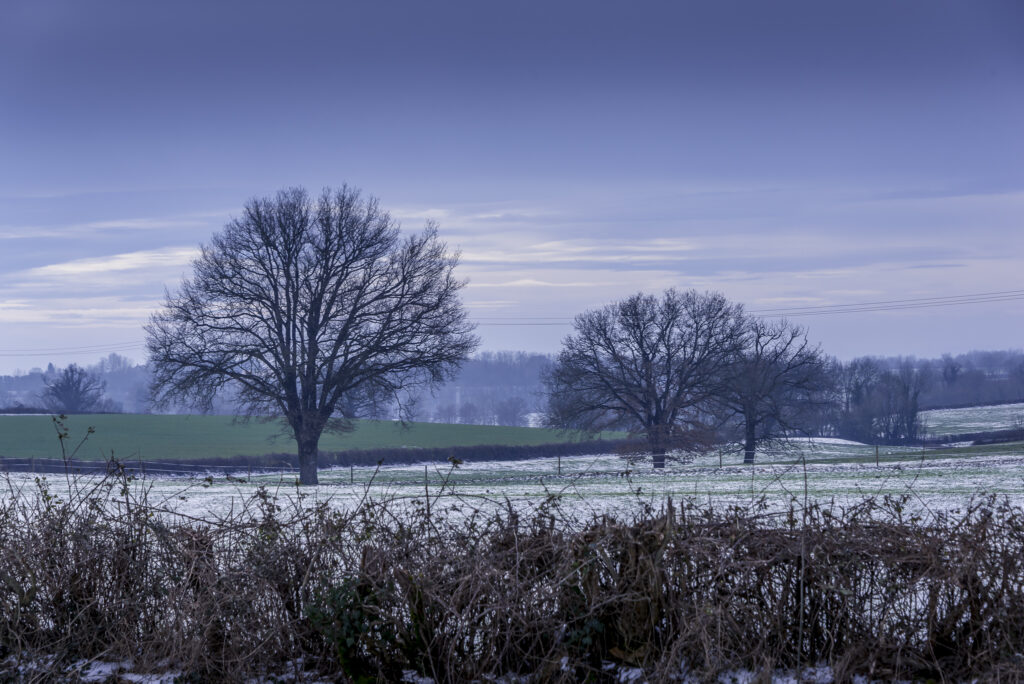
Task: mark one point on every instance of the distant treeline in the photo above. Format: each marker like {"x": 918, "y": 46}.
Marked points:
{"x": 124, "y": 387}
{"x": 873, "y": 399}
{"x": 493, "y": 388}
{"x": 974, "y": 379}
{"x": 879, "y": 400}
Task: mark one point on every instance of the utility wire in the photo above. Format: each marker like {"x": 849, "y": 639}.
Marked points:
{"x": 40, "y": 352}
{"x": 857, "y": 307}
{"x": 523, "y": 321}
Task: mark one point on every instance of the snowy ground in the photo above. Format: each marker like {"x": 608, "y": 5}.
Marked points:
{"x": 825, "y": 471}
{"x": 831, "y": 471}
{"x": 974, "y": 419}
{"x": 102, "y": 671}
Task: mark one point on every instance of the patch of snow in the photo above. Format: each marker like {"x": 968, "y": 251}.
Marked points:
{"x": 630, "y": 674}
{"x": 826, "y": 440}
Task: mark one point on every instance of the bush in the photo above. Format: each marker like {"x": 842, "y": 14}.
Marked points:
{"x": 280, "y": 585}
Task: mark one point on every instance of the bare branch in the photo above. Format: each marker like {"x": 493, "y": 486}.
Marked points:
{"x": 311, "y": 309}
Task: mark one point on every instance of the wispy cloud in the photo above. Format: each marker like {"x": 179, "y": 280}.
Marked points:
{"x": 485, "y": 304}
{"x": 79, "y": 312}
{"x": 497, "y": 250}
{"x": 128, "y": 261}
{"x": 420, "y": 214}
{"x": 532, "y": 282}
{"x": 207, "y": 219}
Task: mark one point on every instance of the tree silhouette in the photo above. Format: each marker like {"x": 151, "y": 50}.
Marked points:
{"x": 314, "y": 310}
{"x": 775, "y": 385}
{"x": 73, "y": 390}
{"x": 647, "y": 365}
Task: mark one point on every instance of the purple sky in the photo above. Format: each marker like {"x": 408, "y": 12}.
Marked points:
{"x": 788, "y": 154}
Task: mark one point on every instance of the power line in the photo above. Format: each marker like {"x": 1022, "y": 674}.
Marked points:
{"x": 856, "y": 307}
{"x": 98, "y": 349}
{"x": 894, "y": 304}
{"x": 89, "y": 347}
{"x": 548, "y": 321}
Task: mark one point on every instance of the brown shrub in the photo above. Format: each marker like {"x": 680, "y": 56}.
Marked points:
{"x": 367, "y": 593}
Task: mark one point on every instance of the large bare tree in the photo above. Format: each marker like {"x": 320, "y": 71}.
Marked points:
{"x": 311, "y": 309}
{"x": 74, "y": 390}
{"x": 646, "y": 364}
{"x": 776, "y": 384}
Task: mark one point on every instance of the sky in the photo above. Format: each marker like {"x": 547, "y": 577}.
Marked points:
{"x": 787, "y": 154}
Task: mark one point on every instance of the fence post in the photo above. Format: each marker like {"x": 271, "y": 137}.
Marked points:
{"x": 876, "y": 455}
{"x": 426, "y": 490}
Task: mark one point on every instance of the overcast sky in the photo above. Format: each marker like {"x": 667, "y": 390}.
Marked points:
{"x": 787, "y": 154}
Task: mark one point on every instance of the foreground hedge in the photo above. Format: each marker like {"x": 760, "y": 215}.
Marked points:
{"x": 366, "y": 594}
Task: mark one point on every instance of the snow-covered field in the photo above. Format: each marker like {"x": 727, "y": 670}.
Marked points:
{"x": 974, "y": 419}
{"x": 827, "y": 471}
{"x": 830, "y": 471}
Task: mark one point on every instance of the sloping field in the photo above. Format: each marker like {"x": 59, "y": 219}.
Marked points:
{"x": 154, "y": 438}
{"x": 973, "y": 419}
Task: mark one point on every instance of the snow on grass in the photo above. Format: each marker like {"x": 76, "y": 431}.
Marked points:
{"x": 940, "y": 422}
{"x": 831, "y": 472}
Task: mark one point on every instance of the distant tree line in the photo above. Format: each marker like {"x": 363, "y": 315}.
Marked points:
{"x": 114, "y": 384}
{"x": 875, "y": 402}
{"x": 492, "y": 388}
{"x": 689, "y": 371}
{"x": 879, "y": 399}
{"x": 871, "y": 399}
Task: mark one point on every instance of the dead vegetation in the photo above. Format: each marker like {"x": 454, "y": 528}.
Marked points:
{"x": 365, "y": 594}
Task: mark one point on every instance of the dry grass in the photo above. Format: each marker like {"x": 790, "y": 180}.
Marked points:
{"x": 365, "y": 594}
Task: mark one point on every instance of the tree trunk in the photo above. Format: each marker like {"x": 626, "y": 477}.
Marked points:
{"x": 654, "y": 438}
{"x": 749, "y": 441}
{"x": 308, "y": 451}
{"x": 659, "y": 457}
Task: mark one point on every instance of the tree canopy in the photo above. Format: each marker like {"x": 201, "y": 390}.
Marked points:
{"x": 686, "y": 371}
{"x": 74, "y": 390}
{"x": 312, "y": 309}
{"x": 647, "y": 364}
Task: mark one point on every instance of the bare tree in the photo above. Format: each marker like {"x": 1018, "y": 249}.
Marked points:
{"x": 74, "y": 390}
{"x": 511, "y": 411}
{"x": 470, "y": 413}
{"x": 312, "y": 310}
{"x": 447, "y": 413}
{"x": 883, "y": 405}
{"x": 776, "y": 383}
{"x": 857, "y": 381}
{"x": 902, "y": 389}
{"x": 951, "y": 370}
{"x": 647, "y": 365}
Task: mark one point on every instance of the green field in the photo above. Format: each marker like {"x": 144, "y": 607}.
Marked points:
{"x": 155, "y": 438}
{"x": 829, "y": 471}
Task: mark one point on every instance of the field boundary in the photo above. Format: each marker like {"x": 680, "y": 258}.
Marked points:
{"x": 979, "y": 438}
{"x": 352, "y": 457}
